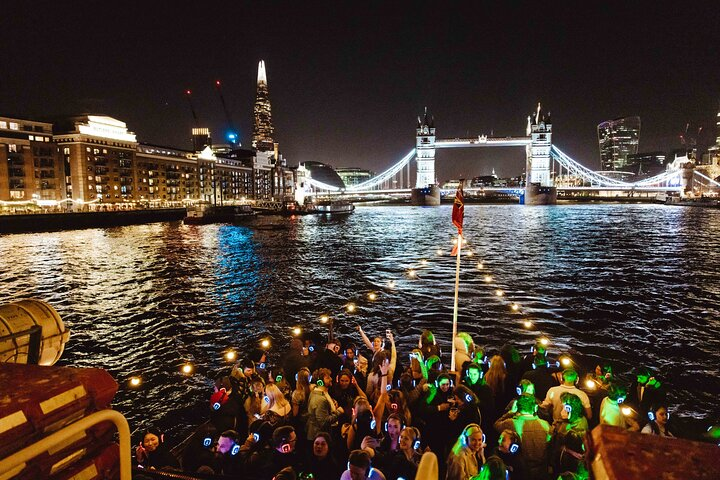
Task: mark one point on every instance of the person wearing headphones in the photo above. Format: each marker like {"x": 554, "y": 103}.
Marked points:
{"x": 265, "y": 463}
{"x": 467, "y": 455}
{"x": 228, "y": 454}
{"x": 611, "y": 409}
{"x": 359, "y": 468}
{"x": 404, "y": 462}
{"x": 554, "y": 396}
{"x": 152, "y": 452}
{"x": 322, "y": 409}
{"x": 658, "y": 416}
{"x": 533, "y": 432}
{"x": 508, "y": 450}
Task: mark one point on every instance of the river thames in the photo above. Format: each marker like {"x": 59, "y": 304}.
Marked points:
{"x": 636, "y": 284}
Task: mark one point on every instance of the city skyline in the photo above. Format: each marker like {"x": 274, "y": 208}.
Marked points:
{"x": 347, "y": 85}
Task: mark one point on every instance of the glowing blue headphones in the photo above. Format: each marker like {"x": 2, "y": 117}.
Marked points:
{"x": 278, "y": 378}
{"x": 266, "y": 399}
{"x": 468, "y": 398}
{"x": 216, "y": 406}
{"x": 235, "y": 449}
{"x": 256, "y": 437}
{"x": 373, "y": 424}
{"x": 620, "y": 400}
{"x": 652, "y": 417}
{"x": 262, "y": 365}
{"x": 207, "y": 441}
{"x": 311, "y": 348}
{"x": 568, "y": 408}
{"x": 514, "y": 447}
{"x": 519, "y": 391}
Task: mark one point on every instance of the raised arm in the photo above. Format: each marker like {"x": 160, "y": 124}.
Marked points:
{"x": 365, "y": 338}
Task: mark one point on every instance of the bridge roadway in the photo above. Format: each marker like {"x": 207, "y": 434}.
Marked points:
{"x": 483, "y": 141}
{"x": 511, "y": 190}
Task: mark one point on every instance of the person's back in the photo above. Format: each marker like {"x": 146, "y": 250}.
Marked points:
{"x": 534, "y": 434}
{"x": 554, "y": 396}
{"x": 542, "y": 379}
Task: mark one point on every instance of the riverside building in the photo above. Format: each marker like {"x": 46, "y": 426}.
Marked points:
{"x": 95, "y": 159}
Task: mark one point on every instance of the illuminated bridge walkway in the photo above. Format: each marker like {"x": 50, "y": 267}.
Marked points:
{"x": 568, "y": 175}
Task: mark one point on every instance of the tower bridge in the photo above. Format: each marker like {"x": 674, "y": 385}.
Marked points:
{"x": 547, "y": 169}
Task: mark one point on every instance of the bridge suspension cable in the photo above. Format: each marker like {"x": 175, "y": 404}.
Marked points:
{"x": 702, "y": 175}
{"x": 582, "y": 171}
{"x": 384, "y": 176}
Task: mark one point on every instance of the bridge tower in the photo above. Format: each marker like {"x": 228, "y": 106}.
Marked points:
{"x": 425, "y": 151}
{"x": 426, "y": 191}
{"x": 538, "y": 184}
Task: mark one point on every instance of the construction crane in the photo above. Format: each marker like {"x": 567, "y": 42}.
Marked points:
{"x": 690, "y": 141}
{"x": 232, "y": 134}
{"x": 188, "y": 95}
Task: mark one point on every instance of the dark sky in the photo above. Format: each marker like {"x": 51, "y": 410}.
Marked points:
{"x": 348, "y": 79}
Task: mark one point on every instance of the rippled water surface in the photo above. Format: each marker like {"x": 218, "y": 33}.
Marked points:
{"x": 637, "y": 284}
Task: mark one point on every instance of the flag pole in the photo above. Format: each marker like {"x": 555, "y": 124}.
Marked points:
{"x": 455, "y": 308}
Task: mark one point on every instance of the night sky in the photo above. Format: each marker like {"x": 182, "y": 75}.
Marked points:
{"x": 348, "y": 79}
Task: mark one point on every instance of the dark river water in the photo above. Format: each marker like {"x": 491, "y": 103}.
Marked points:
{"x": 636, "y": 284}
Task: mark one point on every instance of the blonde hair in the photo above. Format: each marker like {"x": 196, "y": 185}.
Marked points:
{"x": 275, "y": 398}
{"x": 495, "y": 376}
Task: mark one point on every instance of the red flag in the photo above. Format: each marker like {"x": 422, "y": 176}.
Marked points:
{"x": 458, "y": 214}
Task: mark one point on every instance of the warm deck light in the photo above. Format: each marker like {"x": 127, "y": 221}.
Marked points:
{"x": 470, "y": 253}
{"x": 627, "y": 411}
{"x": 480, "y": 266}
{"x": 499, "y": 293}
{"x": 439, "y": 252}
{"x": 350, "y": 307}
{"x": 515, "y": 307}
{"x": 187, "y": 369}
{"x": 265, "y": 343}
{"x": 372, "y": 296}
{"x": 527, "y": 324}
{"x": 230, "y": 355}
{"x": 423, "y": 262}
{"x": 590, "y": 384}
{"x": 411, "y": 273}
{"x": 487, "y": 279}
{"x": 324, "y": 319}
{"x": 135, "y": 381}
{"x": 391, "y": 284}
{"x": 544, "y": 341}
{"x": 296, "y": 331}
{"x": 565, "y": 361}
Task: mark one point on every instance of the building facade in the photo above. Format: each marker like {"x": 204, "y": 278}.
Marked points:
{"x": 95, "y": 159}
{"x": 29, "y": 165}
{"x": 617, "y": 139}
{"x": 352, "y": 176}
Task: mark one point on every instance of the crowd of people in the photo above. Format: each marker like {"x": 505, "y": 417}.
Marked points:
{"x": 339, "y": 411}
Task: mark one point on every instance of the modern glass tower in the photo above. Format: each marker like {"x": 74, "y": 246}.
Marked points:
{"x": 262, "y": 138}
{"x": 618, "y": 138}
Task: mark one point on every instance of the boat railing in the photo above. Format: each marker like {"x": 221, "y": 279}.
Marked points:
{"x": 15, "y": 463}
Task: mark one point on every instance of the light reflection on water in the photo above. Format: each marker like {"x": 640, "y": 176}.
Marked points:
{"x": 634, "y": 283}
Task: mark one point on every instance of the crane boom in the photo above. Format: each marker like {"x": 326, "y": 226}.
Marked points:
{"x": 232, "y": 134}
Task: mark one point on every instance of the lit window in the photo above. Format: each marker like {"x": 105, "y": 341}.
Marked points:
{"x": 14, "y": 126}
{"x": 12, "y": 148}
{"x": 31, "y": 138}
{"x": 3, "y": 124}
